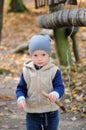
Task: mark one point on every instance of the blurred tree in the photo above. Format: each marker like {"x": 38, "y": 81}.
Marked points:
{"x": 16, "y": 6}
{"x": 1, "y": 16}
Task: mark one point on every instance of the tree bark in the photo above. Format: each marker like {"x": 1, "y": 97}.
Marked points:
{"x": 62, "y": 18}
{"x": 1, "y": 16}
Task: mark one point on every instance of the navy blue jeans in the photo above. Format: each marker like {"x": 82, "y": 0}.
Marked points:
{"x": 47, "y": 121}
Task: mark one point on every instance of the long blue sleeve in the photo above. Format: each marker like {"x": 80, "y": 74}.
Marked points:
{"x": 21, "y": 88}
{"x": 58, "y": 84}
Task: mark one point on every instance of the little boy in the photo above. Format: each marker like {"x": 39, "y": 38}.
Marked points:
{"x": 40, "y": 75}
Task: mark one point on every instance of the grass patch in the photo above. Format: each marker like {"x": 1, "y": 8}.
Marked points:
{"x": 2, "y": 70}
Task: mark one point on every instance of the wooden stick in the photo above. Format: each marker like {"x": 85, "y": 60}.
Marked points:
{"x": 57, "y": 102}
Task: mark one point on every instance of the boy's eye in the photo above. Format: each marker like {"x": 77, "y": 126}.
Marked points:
{"x": 43, "y": 54}
{"x": 35, "y": 55}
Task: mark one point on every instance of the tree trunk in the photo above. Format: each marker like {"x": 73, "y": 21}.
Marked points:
{"x": 75, "y": 48}
{"x": 62, "y": 46}
{"x": 71, "y": 32}
{"x": 16, "y": 6}
{"x": 61, "y": 41}
{"x": 62, "y": 18}
{"x": 1, "y": 16}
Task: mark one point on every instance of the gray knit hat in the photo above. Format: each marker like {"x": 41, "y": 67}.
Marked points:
{"x": 40, "y": 42}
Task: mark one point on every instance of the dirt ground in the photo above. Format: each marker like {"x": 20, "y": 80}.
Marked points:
{"x": 10, "y": 117}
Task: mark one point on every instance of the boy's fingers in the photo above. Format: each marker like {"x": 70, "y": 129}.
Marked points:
{"x": 52, "y": 98}
{"x": 21, "y": 104}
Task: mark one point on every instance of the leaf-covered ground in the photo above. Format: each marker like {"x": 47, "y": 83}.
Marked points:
{"x": 18, "y": 28}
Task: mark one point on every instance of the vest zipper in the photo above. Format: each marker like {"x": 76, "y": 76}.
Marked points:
{"x": 38, "y": 86}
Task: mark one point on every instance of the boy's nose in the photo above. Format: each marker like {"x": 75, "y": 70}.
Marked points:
{"x": 40, "y": 58}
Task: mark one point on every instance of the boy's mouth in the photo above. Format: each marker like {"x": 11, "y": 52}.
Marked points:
{"x": 40, "y": 63}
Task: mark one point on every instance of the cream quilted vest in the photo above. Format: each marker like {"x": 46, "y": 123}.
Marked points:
{"x": 38, "y": 81}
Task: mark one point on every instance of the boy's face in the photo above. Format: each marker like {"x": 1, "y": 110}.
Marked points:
{"x": 40, "y": 57}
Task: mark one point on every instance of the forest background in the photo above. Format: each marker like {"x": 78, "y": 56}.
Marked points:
{"x": 18, "y": 28}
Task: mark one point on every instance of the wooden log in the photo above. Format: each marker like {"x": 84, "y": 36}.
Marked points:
{"x": 19, "y": 49}
{"x": 62, "y": 18}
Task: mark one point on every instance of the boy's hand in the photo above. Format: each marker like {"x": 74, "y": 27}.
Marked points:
{"x": 21, "y": 104}
{"x": 52, "y": 97}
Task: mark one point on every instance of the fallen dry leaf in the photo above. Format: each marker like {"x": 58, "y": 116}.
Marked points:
{"x": 83, "y": 115}
{"x": 80, "y": 98}
{"x": 74, "y": 118}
